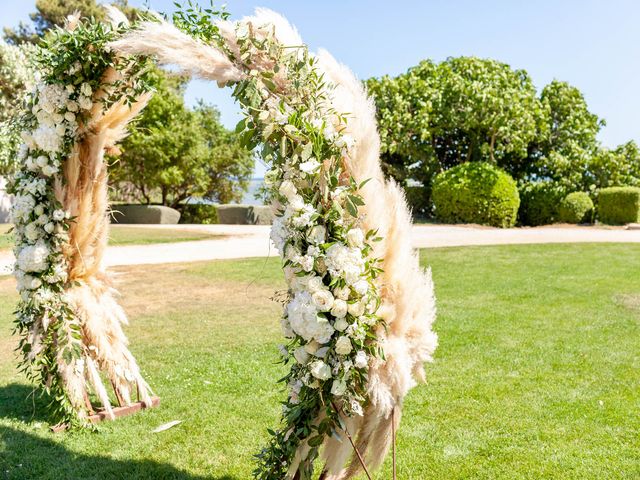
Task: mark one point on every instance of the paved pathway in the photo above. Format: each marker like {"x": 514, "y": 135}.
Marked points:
{"x": 240, "y": 241}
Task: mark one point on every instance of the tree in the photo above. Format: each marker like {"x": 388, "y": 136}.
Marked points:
{"x": 50, "y": 13}
{"x": 16, "y": 78}
{"x": 436, "y": 116}
{"x": 613, "y": 167}
{"x": 175, "y": 153}
{"x": 564, "y": 148}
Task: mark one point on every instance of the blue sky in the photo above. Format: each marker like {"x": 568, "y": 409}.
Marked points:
{"x": 592, "y": 44}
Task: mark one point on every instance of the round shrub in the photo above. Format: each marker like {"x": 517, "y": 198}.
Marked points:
{"x": 577, "y": 207}
{"x": 539, "y": 202}
{"x": 476, "y": 192}
{"x": 203, "y": 213}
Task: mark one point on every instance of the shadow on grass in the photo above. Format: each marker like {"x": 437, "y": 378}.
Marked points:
{"x": 24, "y": 455}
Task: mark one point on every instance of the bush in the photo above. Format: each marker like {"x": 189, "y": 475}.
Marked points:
{"x": 260, "y": 215}
{"x": 539, "y": 203}
{"x": 201, "y": 213}
{"x": 619, "y": 205}
{"x": 577, "y": 207}
{"x": 144, "y": 214}
{"x": 476, "y": 192}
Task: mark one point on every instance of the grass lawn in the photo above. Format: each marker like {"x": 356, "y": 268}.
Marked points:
{"x": 126, "y": 235}
{"x": 537, "y": 375}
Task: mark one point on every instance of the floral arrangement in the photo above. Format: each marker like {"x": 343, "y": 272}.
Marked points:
{"x": 330, "y": 313}
{"x": 70, "y": 85}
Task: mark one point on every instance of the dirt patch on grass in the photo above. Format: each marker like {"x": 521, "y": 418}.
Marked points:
{"x": 161, "y": 288}
{"x": 630, "y": 301}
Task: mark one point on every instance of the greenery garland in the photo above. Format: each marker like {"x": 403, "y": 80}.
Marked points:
{"x": 330, "y": 313}
{"x": 70, "y": 64}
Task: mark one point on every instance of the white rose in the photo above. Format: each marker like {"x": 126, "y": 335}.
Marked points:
{"x": 323, "y": 300}
{"x": 72, "y": 106}
{"x": 32, "y": 232}
{"x": 301, "y": 355}
{"x": 42, "y": 161}
{"x": 38, "y": 210}
{"x": 34, "y": 283}
{"x": 356, "y": 309}
{"x": 339, "y": 309}
{"x": 49, "y": 170}
{"x": 342, "y": 293}
{"x": 306, "y": 263}
{"x": 341, "y": 324}
{"x": 361, "y": 360}
{"x": 58, "y": 215}
{"x": 320, "y": 370}
{"x": 70, "y": 117}
{"x": 85, "y": 102}
{"x": 287, "y": 189}
{"x": 343, "y": 346}
{"x": 317, "y": 234}
{"x": 315, "y": 283}
{"x": 85, "y": 89}
{"x": 338, "y": 388}
{"x": 361, "y": 287}
{"x": 49, "y": 227}
{"x": 355, "y": 237}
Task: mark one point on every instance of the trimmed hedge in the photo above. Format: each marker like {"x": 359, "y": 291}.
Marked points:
{"x": 152, "y": 214}
{"x": 539, "y": 203}
{"x": 577, "y": 207}
{"x": 619, "y": 205}
{"x": 200, "y": 213}
{"x": 476, "y": 192}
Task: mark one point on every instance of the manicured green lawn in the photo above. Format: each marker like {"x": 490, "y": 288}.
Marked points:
{"x": 537, "y": 375}
{"x": 126, "y": 235}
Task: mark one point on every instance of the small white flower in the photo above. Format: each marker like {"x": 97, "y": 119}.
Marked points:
{"x": 58, "y": 215}
{"x": 361, "y": 287}
{"x": 339, "y": 309}
{"x": 85, "y": 90}
{"x": 49, "y": 227}
{"x": 342, "y": 293}
{"x": 341, "y": 324}
{"x": 356, "y": 309}
{"x": 338, "y": 387}
{"x": 85, "y": 103}
{"x": 317, "y": 234}
{"x": 310, "y": 166}
{"x": 361, "y": 360}
{"x": 343, "y": 346}
{"x": 320, "y": 370}
{"x": 323, "y": 300}
{"x": 355, "y": 237}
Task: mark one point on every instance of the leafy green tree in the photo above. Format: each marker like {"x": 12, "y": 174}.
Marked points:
{"x": 614, "y": 167}
{"x": 50, "y": 13}
{"x": 563, "y": 149}
{"x": 175, "y": 153}
{"x": 437, "y": 116}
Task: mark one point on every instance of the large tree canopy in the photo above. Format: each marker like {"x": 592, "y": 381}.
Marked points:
{"x": 175, "y": 153}
{"x": 437, "y": 116}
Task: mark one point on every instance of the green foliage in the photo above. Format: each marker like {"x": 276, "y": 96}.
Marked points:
{"x": 539, "y": 202}
{"x": 619, "y": 205}
{"x": 464, "y": 109}
{"x": 577, "y": 207}
{"x": 202, "y": 213}
{"x": 51, "y": 13}
{"x": 175, "y": 153}
{"x": 16, "y": 79}
{"x": 564, "y": 147}
{"x": 476, "y": 192}
{"x": 614, "y": 167}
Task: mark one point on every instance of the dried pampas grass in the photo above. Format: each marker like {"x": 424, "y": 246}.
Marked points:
{"x": 83, "y": 192}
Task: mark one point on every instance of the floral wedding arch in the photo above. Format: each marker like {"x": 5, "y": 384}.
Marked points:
{"x": 359, "y": 310}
